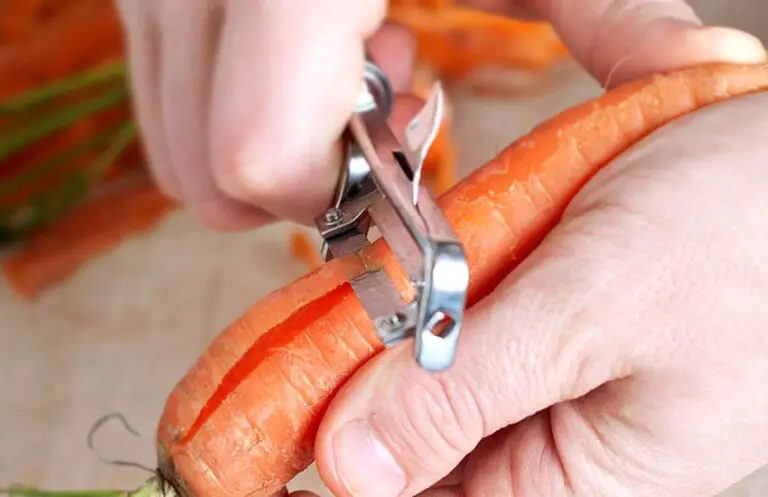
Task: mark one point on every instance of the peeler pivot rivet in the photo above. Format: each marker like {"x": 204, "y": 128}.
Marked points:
{"x": 392, "y": 322}
{"x": 333, "y": 216}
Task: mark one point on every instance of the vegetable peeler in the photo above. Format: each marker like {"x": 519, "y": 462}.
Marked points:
{"x": 380, "y": 189}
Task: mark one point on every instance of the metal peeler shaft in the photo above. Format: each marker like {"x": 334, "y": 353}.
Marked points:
{"x": 380, "y": 186}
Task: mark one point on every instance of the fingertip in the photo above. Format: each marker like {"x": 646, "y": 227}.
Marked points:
{"x": 394, "y": 49}
{"x": 380, "y": 428}
{"x": 350, "y": 405}
{"x": 732, "y": 45}
{"x": 694, "y": 44}
{"x": 621, "y": 40}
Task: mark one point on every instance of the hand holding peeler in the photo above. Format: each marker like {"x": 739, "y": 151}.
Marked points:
{"x": 380, "y": 186}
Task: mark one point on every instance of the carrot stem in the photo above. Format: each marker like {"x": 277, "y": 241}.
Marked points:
{"x": 33, "y": 492}
{"x": 124, "y": 137}
{"x": 153, "y": 487}
{"x": 64, "y": 86}
{"x": 19, "y": 221}
{"x": 17, "y": 140}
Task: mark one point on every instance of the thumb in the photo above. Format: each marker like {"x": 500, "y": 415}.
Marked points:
{"x": 396, "y": 430}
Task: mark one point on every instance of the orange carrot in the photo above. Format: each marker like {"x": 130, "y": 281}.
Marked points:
{"x": 242, "y": 421}
{"x": 83, "y": 35}
{"x": 55, "y": 253}
{"x": 19, "y": 19}
{"x": 456, "y": 40}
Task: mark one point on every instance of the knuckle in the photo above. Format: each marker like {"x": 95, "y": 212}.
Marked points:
{"x": 239, "y": 177}
{"x": 436, "y": 423}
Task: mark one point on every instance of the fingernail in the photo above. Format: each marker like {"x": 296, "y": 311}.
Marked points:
{"x": 736, "y": 46}
{"x": 365, "y": 466}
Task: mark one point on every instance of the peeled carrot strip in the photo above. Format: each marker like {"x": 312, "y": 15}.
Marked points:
{"x": 261, "y": 434}
{"x": 303, "y": 249}
{"x": 456, "y": 40}
{"x": 54, "y": 254}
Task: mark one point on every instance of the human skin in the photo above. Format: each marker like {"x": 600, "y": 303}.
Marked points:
{"x": 624, "y": 357}
{"x": 241, "y": 102}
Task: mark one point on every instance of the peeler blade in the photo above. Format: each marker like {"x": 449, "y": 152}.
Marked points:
{"x": 421, "y": 132}
{"x": 380, "y": 186}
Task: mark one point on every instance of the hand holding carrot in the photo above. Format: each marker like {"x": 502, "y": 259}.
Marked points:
{"x": 600, "y": 365}
{"x": 626, "y": 356}
{"x": 241, "y": 103}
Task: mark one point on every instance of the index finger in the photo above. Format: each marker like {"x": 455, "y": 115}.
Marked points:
{"x": 287, "y": 77}
{"x": 620, "y": 40}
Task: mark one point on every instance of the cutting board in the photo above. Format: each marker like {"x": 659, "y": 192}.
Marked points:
{"x": 118, "y": 335}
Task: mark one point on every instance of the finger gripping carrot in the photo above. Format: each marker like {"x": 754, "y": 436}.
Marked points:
{"x": 242, "y": 421}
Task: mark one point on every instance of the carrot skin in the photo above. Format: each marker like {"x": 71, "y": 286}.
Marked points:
{"x": 261, "y": 435}
{"x": 277, "y": 338}
{"x": 295, "y": 367}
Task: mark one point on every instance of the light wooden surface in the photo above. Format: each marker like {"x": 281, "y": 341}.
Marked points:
{"x": 120, "y": 334}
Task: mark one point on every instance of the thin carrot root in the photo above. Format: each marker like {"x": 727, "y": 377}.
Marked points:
{"x": 243, "y": 420}
{"x": 53, "y": 254}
